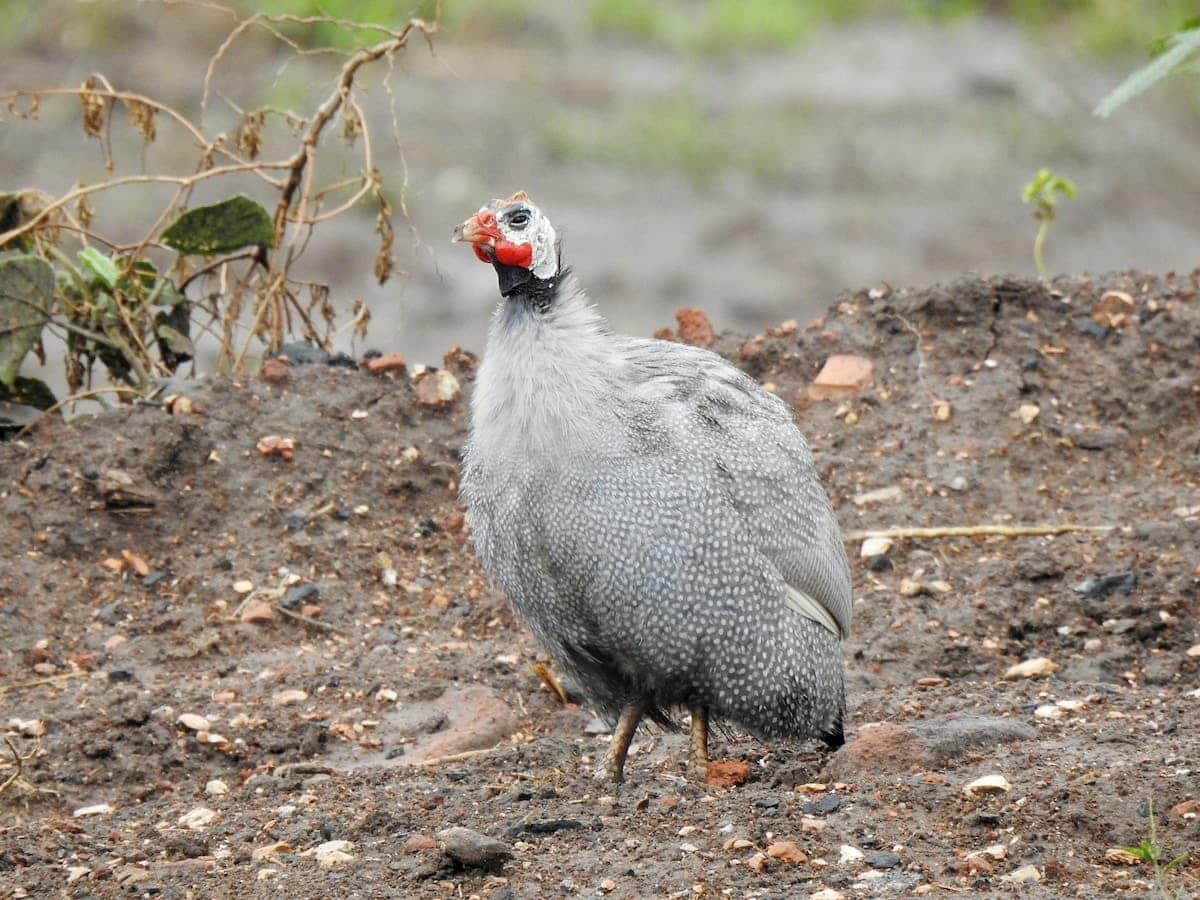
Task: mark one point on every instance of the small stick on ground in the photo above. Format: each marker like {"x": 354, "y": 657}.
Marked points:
{"x": 542, "y": 671}
{"x": 16, "y": 777}
{"x": 18, "y": 761}
{"x": 974, "y": 530}
{"x": 299, "y": 617}
{"x": 456, "y": 757}
{"x": 5, "y": 688}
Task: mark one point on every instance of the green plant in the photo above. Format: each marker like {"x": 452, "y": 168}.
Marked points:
{"x": 1042, "y": 192}
{"x": 1172, "y": 55}
{"x": 226, "y": 268}
{"x": 1149, "y": 851}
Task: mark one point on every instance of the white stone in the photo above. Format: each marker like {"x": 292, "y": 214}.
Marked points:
{"x": 333, "y": 853}
{"x": 988, "y": 784}
{"x": 848, "y": 855}
{"x": 100, "y": 809}
{"x": 876, "y": 546}
{"x": 216, "y": 788}
{"x": 1037, "y": 667}
{"x": 194, "y": 721}
{"x": 1023, "y": 875}
{"x": 199, "y": 818}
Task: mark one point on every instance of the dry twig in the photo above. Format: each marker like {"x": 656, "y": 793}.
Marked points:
{"x": 974, "y": 530}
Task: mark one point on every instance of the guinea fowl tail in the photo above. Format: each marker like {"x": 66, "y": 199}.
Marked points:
{"x": 835, "y": 736}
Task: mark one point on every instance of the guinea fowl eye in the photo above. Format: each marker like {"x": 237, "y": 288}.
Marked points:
{"x": 519, "y": 219}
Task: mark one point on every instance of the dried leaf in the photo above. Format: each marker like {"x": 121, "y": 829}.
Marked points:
{"x": 249, "y": 133}
{"x": 93, "y": 107}
{"x": 384, "y": 264}
{"x": 142, "y": 116}
{"x": 26, "y": 286}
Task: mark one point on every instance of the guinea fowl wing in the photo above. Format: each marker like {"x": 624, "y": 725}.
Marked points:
{"x": 744, "y": 439}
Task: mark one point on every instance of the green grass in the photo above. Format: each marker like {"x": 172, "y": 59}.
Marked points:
{"x": 715, "y": 25}
{"x": 1097, "y": 26}
{"x": 673, "y": 134}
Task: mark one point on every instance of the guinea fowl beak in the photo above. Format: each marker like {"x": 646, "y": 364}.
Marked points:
{"x": 481, "y": 232}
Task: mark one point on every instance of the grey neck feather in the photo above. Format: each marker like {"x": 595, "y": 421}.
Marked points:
{"x": 544, "y": 375}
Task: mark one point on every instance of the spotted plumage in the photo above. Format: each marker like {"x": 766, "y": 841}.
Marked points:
{"x": 651, "y": 512}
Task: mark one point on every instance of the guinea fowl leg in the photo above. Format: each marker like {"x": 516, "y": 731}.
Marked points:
{"x": 622, "y": 738}
{"x": 699, "y": 757}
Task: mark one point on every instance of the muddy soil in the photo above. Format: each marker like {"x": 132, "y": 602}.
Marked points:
{"x": 218, "y": 663}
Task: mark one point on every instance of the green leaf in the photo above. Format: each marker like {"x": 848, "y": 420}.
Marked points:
{"x": 1178, "y": 48}
{"x": 168, "y": 295}
{"x": 177, "y": 342}
{"x": 98, "y": 265}
{"x": 1044, "y": 187}
{"x": 26, "y": 286}
{"x": 1161, "y": 45}
{"x": 221, "y": 228}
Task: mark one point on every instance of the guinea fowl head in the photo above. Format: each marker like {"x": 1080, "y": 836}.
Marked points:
{"x": 515, "y": 237}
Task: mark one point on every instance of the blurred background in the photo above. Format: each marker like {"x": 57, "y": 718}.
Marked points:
{"x": 750, "y": 157}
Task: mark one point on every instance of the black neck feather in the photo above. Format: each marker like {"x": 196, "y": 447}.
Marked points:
{"x": 522, "y": 286}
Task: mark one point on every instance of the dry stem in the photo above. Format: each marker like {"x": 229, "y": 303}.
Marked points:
{"x": 974, "y": 530}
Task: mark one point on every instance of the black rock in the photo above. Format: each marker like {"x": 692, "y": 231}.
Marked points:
{"x": 882, "y": 859}
{"x": 297, "y": 594}
{"x": 302, "y": 353}
{"x": 111, "y": 613}
{"x": 767, "y": 802}
{"x": 344, "y": 360}
{"x": 881, "y": 563}
{"x": 154, "y": 577}
{"x": 1099, "y": 588}
{"x": 822, "y": 805}
{"x": 120, "y": 675}
{"x": 342, "y": 513}
{"x": 373, "y": 354}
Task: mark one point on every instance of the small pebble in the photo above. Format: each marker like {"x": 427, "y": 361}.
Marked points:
{"x": 876, "y": 546}
{"x": 199, "y": 818}
{"x": 216, "y": 788}
{"x": 988, "y": 784}
{"x": 1037, "y": 667}
{"x": 1028, "y": 413}
{"x": 1023, "y": 875}
{"x": 848, "y": 855}
{"x": 472, "y": 849}
{"x": 883, "y": 859}
{"x": 333, "y": 853}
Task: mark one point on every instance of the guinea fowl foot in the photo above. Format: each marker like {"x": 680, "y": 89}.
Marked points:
{"x": 614, "y": 767}
{"x": 699, "y": 744}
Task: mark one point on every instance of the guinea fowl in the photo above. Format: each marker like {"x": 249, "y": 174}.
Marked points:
{"x": 650, "y": 511}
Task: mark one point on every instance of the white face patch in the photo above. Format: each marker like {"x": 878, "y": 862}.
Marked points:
{"x": 537, "y": 232}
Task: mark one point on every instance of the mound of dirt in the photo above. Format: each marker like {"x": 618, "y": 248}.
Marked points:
{"x": 245, "y": 649}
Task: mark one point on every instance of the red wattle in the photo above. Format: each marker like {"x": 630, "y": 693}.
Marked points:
{"x": 482, "y": 253}
{"x": 511, "y": 254}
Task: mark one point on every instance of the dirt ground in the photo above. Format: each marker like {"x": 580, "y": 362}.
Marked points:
{"x": 296, "y": 676}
